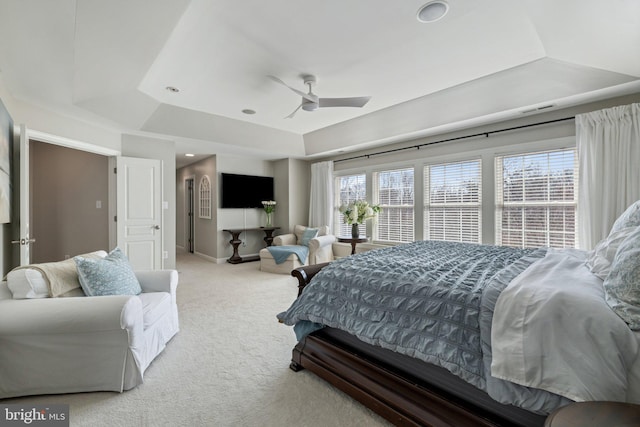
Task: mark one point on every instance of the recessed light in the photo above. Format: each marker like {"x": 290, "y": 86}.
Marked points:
{"x": 172, "y": 89}
{"x": 249, "y": 111}
{"x": 432, "y": 11}
{"x": 189, "y": 155}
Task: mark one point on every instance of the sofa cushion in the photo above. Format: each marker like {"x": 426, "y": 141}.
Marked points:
{"x": 111, "y": 275}
{"x": 154, "y": 306}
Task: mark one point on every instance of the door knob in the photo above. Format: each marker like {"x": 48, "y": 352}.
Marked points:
{"x": 156, "y": 227}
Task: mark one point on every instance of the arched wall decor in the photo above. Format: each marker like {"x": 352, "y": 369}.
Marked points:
{"x": 205, "y": 197}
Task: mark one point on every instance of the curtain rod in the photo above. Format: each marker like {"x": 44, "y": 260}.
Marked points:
{"x": 486, "y": 134}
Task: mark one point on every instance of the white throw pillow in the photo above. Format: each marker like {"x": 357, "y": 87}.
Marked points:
{"x": 629, "y": 218}
{"x": 27, "y": 283}
{"x": 601, "y": 257}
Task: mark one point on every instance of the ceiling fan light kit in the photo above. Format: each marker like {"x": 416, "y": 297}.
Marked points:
{"x": 311, "y": 101}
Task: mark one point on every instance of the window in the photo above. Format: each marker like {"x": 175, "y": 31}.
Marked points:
{"x": 453, "y": 202}
{"x": 351, "y": 188}
{"x": 394, "y": 194}
{"x": 205, "y": 197}
{"x": 536, "y": 199}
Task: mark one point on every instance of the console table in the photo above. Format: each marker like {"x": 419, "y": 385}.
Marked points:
{"x": 235, "y": 242}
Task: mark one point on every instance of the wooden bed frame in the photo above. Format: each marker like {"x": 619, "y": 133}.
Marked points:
{"x": 403, "y": 390}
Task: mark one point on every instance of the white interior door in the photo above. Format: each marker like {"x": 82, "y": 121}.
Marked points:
{"x": 24, "y": 239}
{"x": 139, "y": 211}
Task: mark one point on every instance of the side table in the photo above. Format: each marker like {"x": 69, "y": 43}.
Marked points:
{"x": 354, "y": 241}
{"x": 582, "y": 414}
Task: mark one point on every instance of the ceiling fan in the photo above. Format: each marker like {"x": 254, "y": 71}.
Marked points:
{"x": 311, "y": 101}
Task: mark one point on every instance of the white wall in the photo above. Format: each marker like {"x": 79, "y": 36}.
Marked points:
{"x": 293, "y": 181}
{"x": 49, "y": 122}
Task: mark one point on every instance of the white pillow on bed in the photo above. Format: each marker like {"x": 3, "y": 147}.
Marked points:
{"x": 622, "y": 285}
{"x": 600, "y": 258}
{"x": 629, "y": 218}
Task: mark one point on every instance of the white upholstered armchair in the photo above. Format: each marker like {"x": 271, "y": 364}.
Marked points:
{"x": 319, "y": 249}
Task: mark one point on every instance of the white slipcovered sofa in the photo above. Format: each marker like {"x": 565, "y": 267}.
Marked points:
{"x": 320, "y": 250}
{"x": 84, "y": 343}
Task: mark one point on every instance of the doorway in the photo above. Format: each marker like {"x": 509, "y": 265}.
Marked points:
{"x": 69, "y": 201}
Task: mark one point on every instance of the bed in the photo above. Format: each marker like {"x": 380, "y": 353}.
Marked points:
{"x": 443, "y": 333}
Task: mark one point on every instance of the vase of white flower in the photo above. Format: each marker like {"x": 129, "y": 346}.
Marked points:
{"x": 269, "y": 206}
{"x": 357, "y": 212}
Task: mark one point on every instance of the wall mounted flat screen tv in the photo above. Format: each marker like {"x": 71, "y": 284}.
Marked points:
{"x": 244, "y": 191}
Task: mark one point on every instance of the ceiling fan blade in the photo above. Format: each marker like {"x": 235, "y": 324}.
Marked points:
{"x": 299, "y": 92}
{"x": 357, "y": 101}
{"x": 290, "y": 116}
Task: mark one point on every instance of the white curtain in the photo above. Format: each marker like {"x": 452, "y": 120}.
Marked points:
{"x": 321, "y": 196}
{"x": 608, "y": 143}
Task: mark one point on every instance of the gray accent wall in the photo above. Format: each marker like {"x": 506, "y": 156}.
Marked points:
{"x": 69, "y": 202}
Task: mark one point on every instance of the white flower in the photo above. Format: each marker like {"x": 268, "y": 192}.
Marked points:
{"x": 358, "y": 211}
{"x": 269, "y": 205}
{"x": 354, "y": 215}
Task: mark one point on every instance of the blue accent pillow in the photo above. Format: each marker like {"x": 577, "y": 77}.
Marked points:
{"x": 111, "y": 275}
{"x": 307, "y": 235}
{"x": 622, "y": 285}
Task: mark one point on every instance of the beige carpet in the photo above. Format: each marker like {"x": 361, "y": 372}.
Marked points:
{"x": 228, "y": 365}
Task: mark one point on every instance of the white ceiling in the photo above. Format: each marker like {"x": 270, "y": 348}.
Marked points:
{"x": 111, "y": 61}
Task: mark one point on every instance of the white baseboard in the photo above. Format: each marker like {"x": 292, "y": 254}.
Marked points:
{"x": 207, "y": 257}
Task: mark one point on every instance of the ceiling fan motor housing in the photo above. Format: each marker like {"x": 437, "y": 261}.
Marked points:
{"x": 310, "y": 105}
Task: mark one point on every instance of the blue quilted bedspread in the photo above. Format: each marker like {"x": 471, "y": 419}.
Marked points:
{"x": 422, "y": 299}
